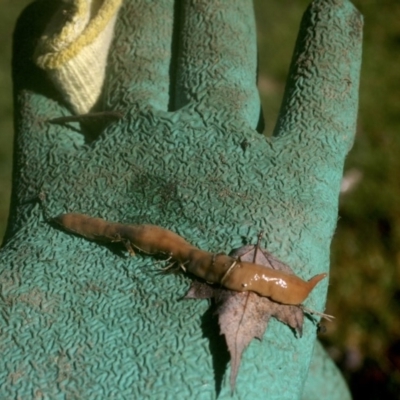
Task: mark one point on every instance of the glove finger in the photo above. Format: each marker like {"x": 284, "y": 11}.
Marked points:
{"x": 140, "y": 57}
{"x": 320, "y": 104}
{"x": 324, "y": 381}
{"x": 36, "y": 100}
{"x": 217, "y": 58}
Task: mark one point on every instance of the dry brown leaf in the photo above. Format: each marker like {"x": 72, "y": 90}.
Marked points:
{"x": 244, "y": 315}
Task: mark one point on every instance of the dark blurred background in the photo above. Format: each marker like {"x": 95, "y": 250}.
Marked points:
{"x": 364, "y": 295}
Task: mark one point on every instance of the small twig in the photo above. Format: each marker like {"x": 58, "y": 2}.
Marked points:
{"x": 90, "y": 117}
{"x": 313, "y": 312}
{"x": 230, "y": 269}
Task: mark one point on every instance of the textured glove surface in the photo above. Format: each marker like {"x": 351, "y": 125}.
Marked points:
{"x": 81, "y": 320}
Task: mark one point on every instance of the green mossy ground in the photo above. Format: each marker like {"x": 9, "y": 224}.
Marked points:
{"x": 365, "y": 280}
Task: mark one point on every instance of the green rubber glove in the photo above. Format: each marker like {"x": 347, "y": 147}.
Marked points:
{"x": 81, "y": 320}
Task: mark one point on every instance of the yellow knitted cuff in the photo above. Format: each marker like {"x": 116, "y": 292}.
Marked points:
{"x": 74, "y": 48}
